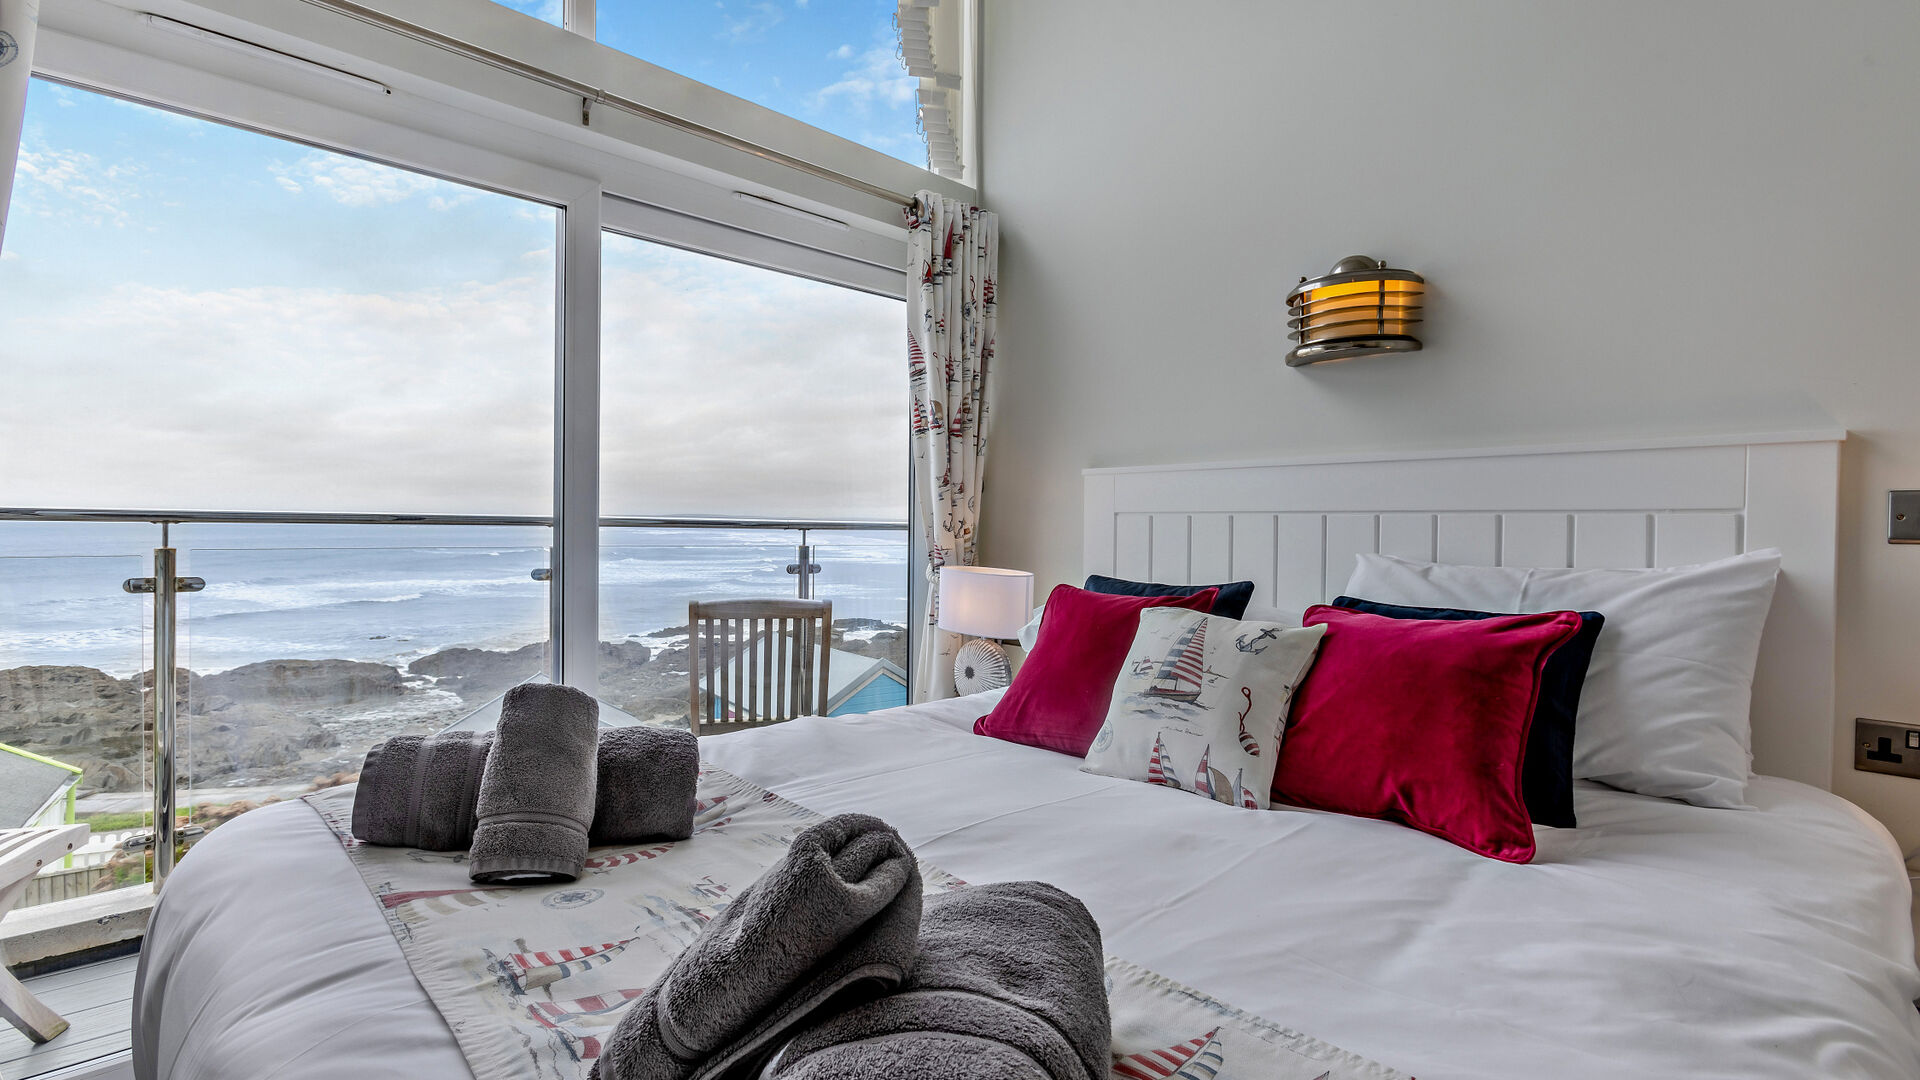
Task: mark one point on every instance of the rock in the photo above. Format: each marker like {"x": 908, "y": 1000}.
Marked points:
{"x": 480, "y": 674}
{"x": 303, "y": 683}
{"x": 79, "y": 715}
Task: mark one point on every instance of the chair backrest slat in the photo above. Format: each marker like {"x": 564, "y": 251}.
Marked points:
{"x": 786, "y": 677}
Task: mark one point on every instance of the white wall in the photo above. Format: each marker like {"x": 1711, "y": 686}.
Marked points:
{"x": 1635, "y": 218}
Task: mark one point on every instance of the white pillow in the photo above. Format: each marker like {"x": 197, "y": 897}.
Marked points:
{"x": 1201, "y": 704}
{"x": 1030, "y": 633}
{"x": 1664, "y": 710}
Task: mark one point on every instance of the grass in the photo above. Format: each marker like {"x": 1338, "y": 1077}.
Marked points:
{"x": 109, "y": 822}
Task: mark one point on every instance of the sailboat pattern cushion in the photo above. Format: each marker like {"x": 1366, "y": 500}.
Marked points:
{"x": 1201, "y": 703}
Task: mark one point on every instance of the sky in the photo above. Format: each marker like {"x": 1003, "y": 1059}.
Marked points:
{"x": 832, "y": 63}
{"x": 197, "y": 317}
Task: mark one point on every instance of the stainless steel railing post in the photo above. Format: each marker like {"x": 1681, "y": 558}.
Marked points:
{"x": 166, "y": 588}
{"x": 805, "y": 568}
{"x": 164, "y": 623}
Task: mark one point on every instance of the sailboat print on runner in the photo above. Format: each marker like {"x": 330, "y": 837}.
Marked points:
{"x": 1179, "y": 676}
{"x": 1203, "y": 780}
{"x": 1159, "y": 769}
{"x": 1199, "y": 1058}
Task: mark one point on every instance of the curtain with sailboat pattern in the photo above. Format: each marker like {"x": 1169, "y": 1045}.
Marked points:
{"x": 18, "y": 20}
{"x": 950, "y": 354}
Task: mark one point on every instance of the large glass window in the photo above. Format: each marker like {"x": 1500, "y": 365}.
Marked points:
{"x": 832, "y": 63}
{"x": 193, "y": 315}
{"x": 196, "y": 317}
{"x": 736, "y": 392}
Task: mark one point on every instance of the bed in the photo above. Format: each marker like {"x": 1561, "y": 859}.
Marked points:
{"x": 1658, "y": 939}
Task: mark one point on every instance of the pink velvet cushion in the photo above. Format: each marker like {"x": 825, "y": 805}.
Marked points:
{"x": 1423, "y": 722}
{"x": 1060, "y": 698}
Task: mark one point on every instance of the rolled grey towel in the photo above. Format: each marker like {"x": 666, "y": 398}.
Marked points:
{"x": 537, "y": 793}
{"x": 419, "y": 791}
{"x": 647, "y": 777}
{"x": 1009, "y": 983}
{"x": 836, "y": 919}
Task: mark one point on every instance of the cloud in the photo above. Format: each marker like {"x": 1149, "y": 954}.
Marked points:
{"x": 752, "y": 26}
{"x": 804, "y": 379}
{"x": 879, "y": 78}
{"x": 285, "y": 397}
{"x": 74, "y": 184}
{"x": 353, "y": 182}
{"x": 727, "y": 390}
{"x": 844, "y": 52}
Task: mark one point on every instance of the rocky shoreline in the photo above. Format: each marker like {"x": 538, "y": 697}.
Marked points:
{"x": 291, "y": 721}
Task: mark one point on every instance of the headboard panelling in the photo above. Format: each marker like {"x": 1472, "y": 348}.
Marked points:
{"x": 1294, "y": 529}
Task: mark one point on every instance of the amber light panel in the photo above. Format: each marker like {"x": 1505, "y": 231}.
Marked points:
{"x": 1359, "y": 308}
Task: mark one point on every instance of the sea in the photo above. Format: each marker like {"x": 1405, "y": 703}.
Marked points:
{"x": 394, "y": 593}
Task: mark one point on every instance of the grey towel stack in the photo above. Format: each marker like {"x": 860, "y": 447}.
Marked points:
{"x": 419, "y": 791}
{"x": 647, "y": 781}
{"x": 537, "y": 792}
{"x": 1009, "y": 983}
{"x": 836, "y": 919}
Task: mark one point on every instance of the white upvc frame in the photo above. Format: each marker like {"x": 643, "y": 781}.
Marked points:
{"x": 454, "y": 134}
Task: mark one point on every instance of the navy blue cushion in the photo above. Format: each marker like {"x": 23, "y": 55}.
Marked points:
{"x": 1546, "y": 775}
{"x": 1232, "y": 601}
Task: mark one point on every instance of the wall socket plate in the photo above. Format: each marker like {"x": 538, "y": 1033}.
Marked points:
{"x": 1903, "y": 517}
{"x": 1886, "y": 748}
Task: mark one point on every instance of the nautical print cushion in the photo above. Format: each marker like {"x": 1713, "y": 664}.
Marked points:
{"x": 1201, "y": 702}
{"x": 1061, "y": 693}
{"x": 1423, "y": 722}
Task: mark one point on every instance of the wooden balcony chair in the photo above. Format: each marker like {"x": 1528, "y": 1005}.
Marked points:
{"x": 22, "y": 853}
{"x": 761, "y": 662}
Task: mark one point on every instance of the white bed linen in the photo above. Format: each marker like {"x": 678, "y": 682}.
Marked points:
{"x": 1658, "y": 940}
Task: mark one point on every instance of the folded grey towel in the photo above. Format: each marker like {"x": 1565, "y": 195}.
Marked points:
{"x": 646, "y": 786}
{"x": 419, "y": 791}
{"x": 1009, "y": 983}
{"x": 835, "y": 920}
{"x": 537, "y": 793}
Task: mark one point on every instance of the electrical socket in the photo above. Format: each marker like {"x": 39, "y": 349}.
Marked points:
{"x": 1886, "y": 748}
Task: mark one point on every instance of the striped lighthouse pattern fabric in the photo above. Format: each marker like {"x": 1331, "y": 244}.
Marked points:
{"x": 1201, "y": 704}
{"x": 532, "y": 981}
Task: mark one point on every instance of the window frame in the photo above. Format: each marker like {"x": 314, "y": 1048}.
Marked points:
{"x": 432, "y": 123}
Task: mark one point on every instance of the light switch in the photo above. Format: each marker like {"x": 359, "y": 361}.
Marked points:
{"x": 1903, "y": 517}
{"x": 1913, "y": 740}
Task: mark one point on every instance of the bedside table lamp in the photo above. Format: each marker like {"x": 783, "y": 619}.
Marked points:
{"x": 989, "y": 606}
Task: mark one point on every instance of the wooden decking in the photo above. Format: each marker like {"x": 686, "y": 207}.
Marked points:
{"x": 96, "y": 999}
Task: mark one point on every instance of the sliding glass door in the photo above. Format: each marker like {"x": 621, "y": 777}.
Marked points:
{"x": 748, "y": 416}
{"x": 279, "y": 351}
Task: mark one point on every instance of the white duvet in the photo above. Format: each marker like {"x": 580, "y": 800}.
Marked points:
{"x": 1658, "y": 940}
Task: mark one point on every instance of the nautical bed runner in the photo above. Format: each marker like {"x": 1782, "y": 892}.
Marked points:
{"x": 531, "y": 979}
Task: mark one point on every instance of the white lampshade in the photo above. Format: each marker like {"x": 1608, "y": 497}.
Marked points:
{"x": 980, "y": 601}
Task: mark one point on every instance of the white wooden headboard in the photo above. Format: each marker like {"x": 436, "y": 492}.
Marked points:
{"x": 1294, "y": 527}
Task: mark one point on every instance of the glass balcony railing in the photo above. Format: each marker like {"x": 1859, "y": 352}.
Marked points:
{"x": 306, "y": 639}
{"x": 75, "y": 722}
{"x": 648, "y": 576}
{"x": 312, "y": 643}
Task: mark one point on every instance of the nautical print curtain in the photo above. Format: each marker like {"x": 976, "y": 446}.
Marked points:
{"x": 950, "y": 343}
{"x": 18, "y": 18}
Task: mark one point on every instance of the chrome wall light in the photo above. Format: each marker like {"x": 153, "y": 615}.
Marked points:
{"x": 1359, "y": 308}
